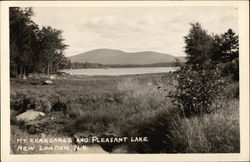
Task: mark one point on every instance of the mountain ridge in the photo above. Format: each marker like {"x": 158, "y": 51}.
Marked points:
{"x": 112, "y": 56}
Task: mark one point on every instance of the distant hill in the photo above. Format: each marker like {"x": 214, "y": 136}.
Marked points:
{"x": 115, "y": 57}
{"x": 182, "y": 58}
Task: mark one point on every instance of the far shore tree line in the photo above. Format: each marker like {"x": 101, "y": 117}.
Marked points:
{"x": 89, "y": 65}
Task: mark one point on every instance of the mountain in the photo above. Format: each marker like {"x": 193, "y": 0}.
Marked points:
{"x": 182, "y": 58}
{"x": 110, "y": 56}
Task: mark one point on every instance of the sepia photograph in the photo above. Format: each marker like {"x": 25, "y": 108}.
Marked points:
{"x": 126, "y": 79}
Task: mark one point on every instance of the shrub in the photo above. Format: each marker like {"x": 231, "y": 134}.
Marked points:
{"x": 197, "y": 88}
{"x": 22, "y": 102}
{"x": 91, "y": 122}
{"x": 60, "y": 105}
{"x": 75, "y": 110}
{"x": 14, "y": 121}
{"x": 232, "y": 90}
{"x": 231, "y": 69}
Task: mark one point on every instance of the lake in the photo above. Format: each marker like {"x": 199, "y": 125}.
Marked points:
{"x": 120, "y": 71}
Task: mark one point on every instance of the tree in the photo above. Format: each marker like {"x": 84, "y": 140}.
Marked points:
{"x": 69, "y": 64}
{"x": 225, "y": 53}
{"x": 21, "y": 36}
{"x": 198, "y": 45}
{"x": 177, "y": 62}
{"x": 230, "y": 54}
{"x": 52, "y": 48}
{"x": 229, "y": 46}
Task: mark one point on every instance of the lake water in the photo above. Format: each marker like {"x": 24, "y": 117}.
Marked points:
{"x": 120, "y": 71}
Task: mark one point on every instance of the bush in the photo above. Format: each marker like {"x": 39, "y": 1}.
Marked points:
{"x": 22, "y": 102}
{"x": 60, "y": 105}
{"x": 91, "y": 122}
{"x": 231, "y": 69}
{"x": 197, "y": 89}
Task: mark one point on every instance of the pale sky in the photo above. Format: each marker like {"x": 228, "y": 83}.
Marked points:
{"x": 133, "y": 29}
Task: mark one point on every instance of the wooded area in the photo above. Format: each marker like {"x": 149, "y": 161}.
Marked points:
{"x": 33, "y": 49}
{"x": 217, "y": 51}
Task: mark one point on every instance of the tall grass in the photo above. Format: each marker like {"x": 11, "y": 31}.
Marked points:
{"x": 217, "y": 132}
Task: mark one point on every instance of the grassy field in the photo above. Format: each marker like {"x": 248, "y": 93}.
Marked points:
{"x": 132, "y": 106}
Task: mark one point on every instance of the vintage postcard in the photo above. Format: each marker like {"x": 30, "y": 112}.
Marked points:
{"x": 125, "y": 81}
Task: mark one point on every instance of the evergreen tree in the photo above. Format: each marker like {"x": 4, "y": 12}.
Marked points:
{"x": 230, "y": 54}
{"x": 229, "y": 46}
{"x": 198, "y": 45}
{"x": 21, "y": 36}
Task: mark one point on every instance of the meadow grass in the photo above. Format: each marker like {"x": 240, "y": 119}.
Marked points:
{"x": 131, "y": 106}
{"x": 217, "y": 132}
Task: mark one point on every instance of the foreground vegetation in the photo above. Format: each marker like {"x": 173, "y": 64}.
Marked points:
{"x": 139, "y": 105}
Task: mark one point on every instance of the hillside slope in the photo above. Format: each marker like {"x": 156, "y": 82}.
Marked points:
{"x": 110, "y": 56}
